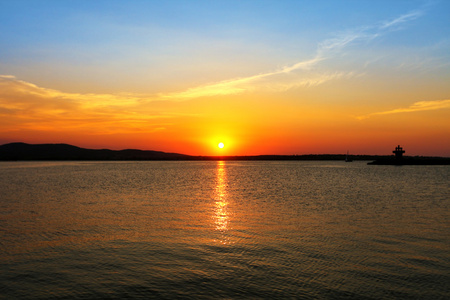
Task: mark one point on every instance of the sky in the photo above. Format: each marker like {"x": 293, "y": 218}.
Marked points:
{"x": 261, "y": 77}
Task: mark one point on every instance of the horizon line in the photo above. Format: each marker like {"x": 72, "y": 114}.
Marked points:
{"x": 226, "y": 156}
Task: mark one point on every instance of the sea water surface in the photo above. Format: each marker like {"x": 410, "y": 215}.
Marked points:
{"x": 215, "y": 230}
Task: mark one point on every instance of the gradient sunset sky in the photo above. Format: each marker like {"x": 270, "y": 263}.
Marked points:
{"x": 263, "y": 77}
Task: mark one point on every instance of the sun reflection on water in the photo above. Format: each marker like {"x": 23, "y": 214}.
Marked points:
{"x": 221, "y": 216}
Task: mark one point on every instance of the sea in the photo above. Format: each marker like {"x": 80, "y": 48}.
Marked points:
{"x": 224, "y": 230}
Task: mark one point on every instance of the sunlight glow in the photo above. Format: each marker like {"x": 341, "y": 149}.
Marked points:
{"x": 221, "y": 145}
{"x": 221, "y": 216}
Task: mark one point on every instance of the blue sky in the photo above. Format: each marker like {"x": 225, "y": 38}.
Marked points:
{"x": 180, "y": 36}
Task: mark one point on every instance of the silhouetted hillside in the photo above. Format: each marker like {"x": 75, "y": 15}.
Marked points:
{"x": 22, "y": 151}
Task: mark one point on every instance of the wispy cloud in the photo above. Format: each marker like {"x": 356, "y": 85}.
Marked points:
{"x": 24, "y": 105}
{"x": 415, "y": 107}
{"x": 239, "y": 85}
{"x": 401, "y": 19}
{"x": 325, "y": 50}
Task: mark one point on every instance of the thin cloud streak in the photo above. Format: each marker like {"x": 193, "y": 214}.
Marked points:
{"x": 415, "y": 107}
{"x": 402, "y": 19}
{"x": 26, "y": 106}
{"x": 324, "y": 51}
{"x": 235, "y": 86}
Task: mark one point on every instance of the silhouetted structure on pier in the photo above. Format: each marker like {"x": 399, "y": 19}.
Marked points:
{"x": 398, "y": 152}
{"x": 399, "y": 160}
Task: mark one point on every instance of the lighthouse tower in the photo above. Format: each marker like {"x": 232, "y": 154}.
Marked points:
{"x": 398, "y": 152}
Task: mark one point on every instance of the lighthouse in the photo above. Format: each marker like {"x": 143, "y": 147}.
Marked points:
{"x": 398, "y": 152}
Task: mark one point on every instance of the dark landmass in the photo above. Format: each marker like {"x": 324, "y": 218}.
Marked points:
{"x": 291, "y": 157}
{"x": 22, "y": 151}
{"x": 411, "y": 160}
{"x": 65, "y": 152}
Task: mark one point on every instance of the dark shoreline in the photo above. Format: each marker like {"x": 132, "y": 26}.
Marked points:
{"x": 65, "y": 152}
{"x": 411, "y": 161}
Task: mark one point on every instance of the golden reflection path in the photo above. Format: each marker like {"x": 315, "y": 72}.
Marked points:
{"x": 221, "y": 216}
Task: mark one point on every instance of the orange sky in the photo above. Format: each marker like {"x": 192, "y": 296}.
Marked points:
{"x": 362, "y": 82}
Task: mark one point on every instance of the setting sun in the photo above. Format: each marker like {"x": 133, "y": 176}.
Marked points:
{"x": 221, "y": 145}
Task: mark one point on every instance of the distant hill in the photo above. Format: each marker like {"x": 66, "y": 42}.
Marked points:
{"x": 23, "y": 151}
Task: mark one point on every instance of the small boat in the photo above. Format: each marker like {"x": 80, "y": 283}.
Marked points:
{"x": 348, "y": 158}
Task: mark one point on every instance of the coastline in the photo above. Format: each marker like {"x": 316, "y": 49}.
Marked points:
{"x": 65, "y": 152}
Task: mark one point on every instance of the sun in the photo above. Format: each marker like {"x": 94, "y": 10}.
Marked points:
{"x": 221, "y": 145}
